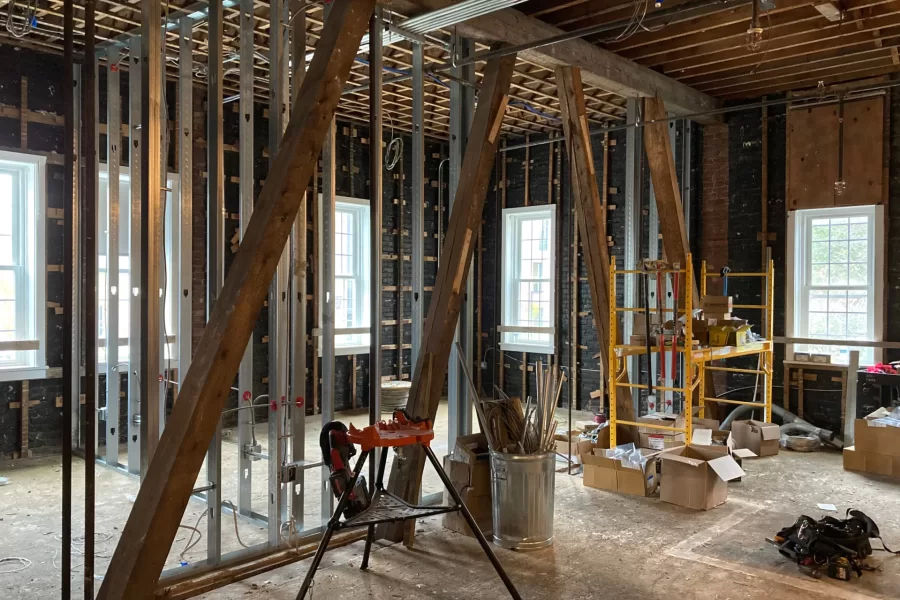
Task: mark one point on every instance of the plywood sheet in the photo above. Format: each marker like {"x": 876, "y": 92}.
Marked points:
{"x": 813, "y": 157}
{"x": 863, "y": 152}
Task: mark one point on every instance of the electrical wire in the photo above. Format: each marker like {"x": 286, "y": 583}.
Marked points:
{"x": 394, "y": 148}
{"x": 29, "y": 18}
{"x": 24, "y": 563}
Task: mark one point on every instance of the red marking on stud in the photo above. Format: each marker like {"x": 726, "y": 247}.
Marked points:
{"x": 247, "y": 396}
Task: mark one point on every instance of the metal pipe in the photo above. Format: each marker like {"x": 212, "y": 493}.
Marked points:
{"x": 69, "y": 389}
{"x": 417, "y": 225}
{"x": 440, "y": 215}
{"x": 376, "y": 169}
{"x": 89, "y": 213}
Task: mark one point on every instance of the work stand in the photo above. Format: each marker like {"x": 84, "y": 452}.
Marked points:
{"x": 385, "y": 507}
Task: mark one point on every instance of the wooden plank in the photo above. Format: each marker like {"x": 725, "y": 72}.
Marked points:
{"x": 590, "y": 213}
{"x": 147, "y": 537}
{"x": 665, "y": 185}
{"x": 459, "y": 246}
{"x": 23, "y": 427}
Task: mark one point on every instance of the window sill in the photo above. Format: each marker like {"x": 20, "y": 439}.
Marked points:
{"x": 527, "y": 348}
{"x": 23, "y": 373}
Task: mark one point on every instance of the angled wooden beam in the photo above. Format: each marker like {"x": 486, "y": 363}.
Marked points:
{"x": 456, "y": 256}
{"x": 590, "y": 213}
{"x": 141, "y": 553}
{"x": 665, "y": 187}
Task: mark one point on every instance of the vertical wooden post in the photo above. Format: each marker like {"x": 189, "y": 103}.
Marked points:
{"x": 443, "y": 311}
{"x": 503, "y": 185}
{"x": 527, "y": 164}
{"x": 23, "y": 115}
{"x": 590, "y": 213}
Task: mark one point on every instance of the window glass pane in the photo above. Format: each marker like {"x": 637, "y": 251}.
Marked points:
{"x": 820, "y": 232}
{"x": 858, "y": 251}
{"x": 819, "y": 275}
{"x": 837, "y": 274}
{"x": 7, "y": 258}
{"x": 858, "y": 274}
{"x": 6, "y": 204}
{"x": 8, "y": 316}
{"x": 839, "y": 252}
{"x": 819, "y": 252}
{"x": 7, "y": 285}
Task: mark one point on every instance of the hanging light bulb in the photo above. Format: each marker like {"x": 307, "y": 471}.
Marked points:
{"x": 754, "y": 36}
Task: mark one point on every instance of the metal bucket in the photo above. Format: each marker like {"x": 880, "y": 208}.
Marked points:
{"x": 523, "y": 487}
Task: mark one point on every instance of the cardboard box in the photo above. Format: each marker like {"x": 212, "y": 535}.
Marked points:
{"x": 869, "y": 462}
{"x": 660, "y": 439}
{"x": 717, "y": 305}
{"x": 579, "y": 446}
{"x": 871, "y": 438}
{"x": 469, "y": 469}
{"x": 609, "y": 474}
{"x": 700, "y": 329}
{"x": 760, "y": 438}
{"x": 696, "y": 477}
{"x": 739, "y": 336}
{"x": 698, "y": 423}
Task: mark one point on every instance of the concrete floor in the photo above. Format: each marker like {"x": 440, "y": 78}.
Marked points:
{"x": 606, "y": 545}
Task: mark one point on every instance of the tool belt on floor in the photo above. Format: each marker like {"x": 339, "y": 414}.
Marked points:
{"x": 838, "y": 545}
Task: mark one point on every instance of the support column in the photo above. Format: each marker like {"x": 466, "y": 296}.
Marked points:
{"x": 417, "y": 226}
{"x": 279, "y": 104}
{"x": 246, "y": 391}
{"x": 462, "y": 108}
{"x": 215, "y": 265}
{"x": 634, "y": 189}
{"x": 136, "y": 445}
{"x": 376, "y": 171}
{"x": 76, "y": 307}
{"x": 184, "y": 138}
{"x": 111, "y": 290}
{"x": 89, "y": 214}
{"x": 298, "y": 290}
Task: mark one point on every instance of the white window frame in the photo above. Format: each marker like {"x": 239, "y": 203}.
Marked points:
{"x": 799, "y": 232}
{"x": 31, "y": 325}
{"x": 348, "y": 341}
{"x": 172, "y": 252}
{"x": 512, "y": 222}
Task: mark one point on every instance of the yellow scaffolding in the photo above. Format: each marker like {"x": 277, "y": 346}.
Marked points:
{"x": 694, "y": 360}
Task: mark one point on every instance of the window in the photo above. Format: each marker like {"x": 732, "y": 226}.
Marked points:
{"x": 124, "y": 289}
{"x": 351, "y": 275}
{"x": 22, "y": 266}
{"x": 528, "y": 272}
{"x": 837, "y": 273}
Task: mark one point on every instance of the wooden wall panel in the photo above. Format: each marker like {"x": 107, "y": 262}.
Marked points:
{"x": 813, "y": 157}
{"x": 863, "y": 152}
{"x": 813, "y": 154}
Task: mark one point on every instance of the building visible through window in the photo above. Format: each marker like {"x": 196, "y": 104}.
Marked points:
{"x": 528, "y": 274}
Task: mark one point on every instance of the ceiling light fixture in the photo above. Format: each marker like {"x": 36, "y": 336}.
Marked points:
{"x": 755, "y": 33}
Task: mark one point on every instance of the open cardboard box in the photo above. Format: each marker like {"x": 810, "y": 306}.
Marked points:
{"x": 660, "y": 439}
{"x": 609, "y": 473}
{"x": 760, "y": 438}
{"x": 697, "y": 477}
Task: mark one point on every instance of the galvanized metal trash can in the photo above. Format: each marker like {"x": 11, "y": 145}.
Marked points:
{"x": 522, "y": 486}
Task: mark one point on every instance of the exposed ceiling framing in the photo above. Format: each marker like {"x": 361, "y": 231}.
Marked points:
{"x": 802, "y": 45}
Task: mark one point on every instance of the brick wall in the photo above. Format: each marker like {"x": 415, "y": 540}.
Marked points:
{"x": 714, "y": 205}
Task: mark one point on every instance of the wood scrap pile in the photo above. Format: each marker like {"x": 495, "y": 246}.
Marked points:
{"x": 514, "y": 428}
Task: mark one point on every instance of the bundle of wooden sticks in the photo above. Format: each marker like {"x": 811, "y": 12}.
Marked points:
{"x": 514, "y": 428}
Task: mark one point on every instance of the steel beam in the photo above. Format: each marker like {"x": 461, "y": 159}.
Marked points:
{"x": 279, "y": 104}
{"x": 376, "y": 171}
{"x": 298, "y": 335}
{"x": 246, "y": 392}
{"x": 462, "y": 109}
{"x": 134, "y": 257}
{"x": 70, "y": 267}
{"x": 417, "y": 227}
{"x": 77, "y": 260}
{"x": 634, "y": 156}
{"x": 113, "y": 163}
{"x": 184, "y": 136}
{"x": 215, "y": 265}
